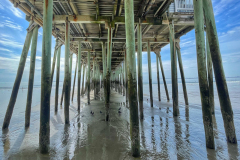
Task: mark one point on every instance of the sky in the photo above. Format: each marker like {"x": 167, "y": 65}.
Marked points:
{"x": 13, "y": 32}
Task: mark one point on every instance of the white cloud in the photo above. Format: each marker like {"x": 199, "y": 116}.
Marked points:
{"x": 10, "y": 43}
{"x": 11, "y": 24}
{"x": 4, "y": 49}
{"x": 14, "y": 10}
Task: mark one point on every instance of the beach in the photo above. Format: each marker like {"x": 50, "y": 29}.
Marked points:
{"x": 162, "y": 136}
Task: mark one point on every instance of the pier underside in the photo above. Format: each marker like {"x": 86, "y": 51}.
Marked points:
{"x": 162, "y": 136}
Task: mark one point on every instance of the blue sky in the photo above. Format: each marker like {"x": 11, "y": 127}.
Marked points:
{"x": 13, "y": 31}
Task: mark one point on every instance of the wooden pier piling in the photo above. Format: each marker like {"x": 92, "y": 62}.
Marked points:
{"x": 202, "y": 73}
{"x": 158, "y": 79}
{"x": 132, "y": 82}
{"x": 44, "y": 132}
{"x": 79, "y": 57}
{"x": 225, "y": 103}
{"x": 31, "y": 76}
{"x": 18, "y": 79}
{"x": 88, "y": 77}
{"x": 150, "y": 73}
{"x": 57, "y": 78}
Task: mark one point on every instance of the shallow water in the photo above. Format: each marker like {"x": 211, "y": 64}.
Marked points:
{"x": 162, "y": 136}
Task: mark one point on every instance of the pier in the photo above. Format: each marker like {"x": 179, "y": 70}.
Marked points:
{"x": 105, "y": 105}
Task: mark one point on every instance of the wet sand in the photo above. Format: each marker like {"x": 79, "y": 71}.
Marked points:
{"x": 90, "y": 137}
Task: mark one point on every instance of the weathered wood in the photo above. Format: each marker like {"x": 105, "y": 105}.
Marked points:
{"x": 18, "y": 79}
{"x": 63, "y": 88}
{"x": 158, "y": 80}
{"x": 31, "y": 76}
{"x": 174, "y": 71}
{"x": 210, "y": 77}
{"x": 70, "y": 76}
{"x": 225, "y": 103}
{"x": 88, "y": 78}
{"x": 67, "y": 83}
{"x": 202, "y": 73}
{"x": 126, "y": 77}
{"x": 182, "y": 74}
{"x": 74, "y": 78}
{"x": 54, "y": 61}
{"x": 150, "y": 74}
{"x": 79, "y": 75}
{"x": 132, "y": 82}
{"x": 44, "y": 132}
{"x": 84, "y": 70}
{"x": 163, "y": 76}
{"x": 139, "y": 60}
{"x": 57, "y": 78}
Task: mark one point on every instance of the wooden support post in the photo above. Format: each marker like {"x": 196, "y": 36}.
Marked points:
{"x": 139, "y": 60}
{"x": 163, "y": 76}
{"x": 31, "y": 76}
{"x": 150, "y": 73}
{"x": 54, "y": 61}
{"x": 108, "y": 73}
{"x": 126, "y": 76}
{"x": 67, "y": 83}
{"x": 74, "y": 77}
{"x": 88, "y": 78}
{"x": 94, "y": 79}
{"x": 18, "y": 79}
{"x": 132, "y": 82}
{"x": 158, "y": 80}
{"x": 57, "y": 78}
{"x": 225, "y": 103}
{"x": 104, "y": 59}
{"x": 174, "y": 71}
{"x": 182, "y": 73}
{"x": 63, "y": 88}
{"x": 202, "y": 73}
{"x": 210, "y": 78}
{"x": 84, "y": 70}
{"x": 70, "y": 76}
{"x": 123, "y": 78}
{"x": 79, "y": 75}
{"x": 44, "y": 132}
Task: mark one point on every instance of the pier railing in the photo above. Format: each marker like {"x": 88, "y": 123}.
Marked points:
{"x": 182, "y": 6}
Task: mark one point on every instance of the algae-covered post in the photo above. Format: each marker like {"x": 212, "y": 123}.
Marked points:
{"x": 132, "y": 82}
{"x": 225, "y": 103}
{"x": 67, "y": 85}
{"x": 202, "y": 72}
{"x": 79, "y": 74}
{"x": 31, "y": 76}
{"x": 210, "y": 77}
{"x": 182, "y": 72}
{"x": 18, "y": 79}
{"x": 57, "y": 78}
{"x": 139, "y": 60}
{"x": 158, "y": 80}
{"x": 107, "y": 78}
{"x": 88, "y": 78}
{"x": 70, "y": 75}
{"x": 150, "y": 72}
{"x": 44, "y": 132}
{"x": 174, "y": 70}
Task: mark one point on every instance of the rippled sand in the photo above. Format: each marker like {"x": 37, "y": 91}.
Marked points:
{"x": 90, "y": 137}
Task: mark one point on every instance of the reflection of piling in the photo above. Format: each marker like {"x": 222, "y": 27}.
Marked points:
{"x": 57, "y": 78}
{"x": 18, "y": 79}
{"x": 31, "y": 76}
{"x": 139, "y": 60}
{"x": 182, "y": 72}
{"x": 222, "y": 88}
{"x": 174, "y": 71}
{"x": 202, "y": 73}
{"x": 132, "y": 88}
